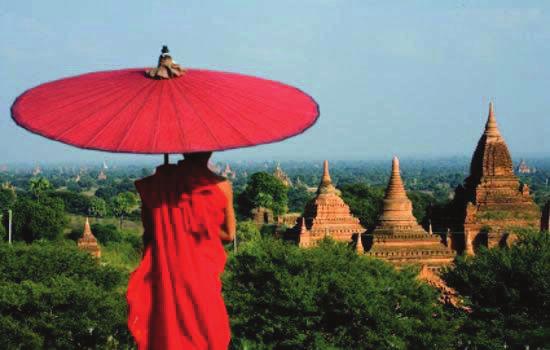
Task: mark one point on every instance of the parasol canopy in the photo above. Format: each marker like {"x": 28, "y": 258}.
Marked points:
{"x": 164, "y": 110}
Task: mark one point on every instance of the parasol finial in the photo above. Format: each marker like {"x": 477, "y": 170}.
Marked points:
{"x": 166, "y": 68}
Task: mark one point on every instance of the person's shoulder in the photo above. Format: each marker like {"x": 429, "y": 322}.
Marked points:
{"x": 225, "y": 186}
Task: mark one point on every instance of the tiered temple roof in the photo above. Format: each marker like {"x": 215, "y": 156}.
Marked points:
{"x": 328, "y": 215}
{"x": 493, "y": 198}
{"x": 397, "y": 237}
{"x": 88, "y": 242}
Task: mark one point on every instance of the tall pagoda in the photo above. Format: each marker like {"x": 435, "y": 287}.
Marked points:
{"x": 397, "y": 236}
{"x": 88, "y": 242}
{"x": 328, "y": 215}
{"x": 493, "y": 201}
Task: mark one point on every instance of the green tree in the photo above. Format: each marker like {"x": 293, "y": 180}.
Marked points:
{"x": 39, "y": 185}
{"x": 298, "y": 196}
{"x": 123, "y": 204}
{"x": 98, "y": 207}
{"x": 508, "y": 292}
{"x": 75, "y": 203}
{"x": 106, "y": 233}
{"x": 420, "y": 202}
{"x": 38, "y": 219}
{"x": 106, "y": 193}
{"x": 247, "y": 231}
{"x": 263, "y": 190}
{"x": 284, "y": 297}
{"x": 53, "y": 296}
{"x": 365, "y": 201}
{"x": 7, "y": 199}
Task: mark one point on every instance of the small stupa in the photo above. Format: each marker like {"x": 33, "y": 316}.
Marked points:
{"x": 328, "y": 215}
{"x": 397, "y": 236}
{"x": 88, "y": 242}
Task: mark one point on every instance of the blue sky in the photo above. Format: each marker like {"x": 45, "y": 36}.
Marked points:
{"x": 412, "y": 79}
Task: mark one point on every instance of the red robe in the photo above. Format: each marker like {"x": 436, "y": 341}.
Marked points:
{"x": 174, "y": 296}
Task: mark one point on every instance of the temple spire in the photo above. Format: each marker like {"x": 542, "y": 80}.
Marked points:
{"x": 395, "y": 189}
{"x": 326, "y": 185}
{"x": 396, "y": 206}
{"x": 491, "y": 128}
{"x": 87, "y": 229}
{"x": 326, "y": 175}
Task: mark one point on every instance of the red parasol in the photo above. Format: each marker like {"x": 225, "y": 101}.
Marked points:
{"x": 164, "y": 110}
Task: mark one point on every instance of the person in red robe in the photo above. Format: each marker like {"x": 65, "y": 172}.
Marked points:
{"x": 175, "y": 295}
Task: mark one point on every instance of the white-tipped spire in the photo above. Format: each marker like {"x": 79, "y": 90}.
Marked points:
{"x": 395, "y": 165}
{"x": 87, "y": 228}
{"x": 326, "y": 174}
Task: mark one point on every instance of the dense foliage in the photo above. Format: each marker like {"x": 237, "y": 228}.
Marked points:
{"x": 7, "y": 199}
{"x": 298, "y": 196}
{"x": 365, "y": 201}
{"x": 280, "y": 296}
{"x": 57, "y": 297}
{"x": 38, "y": 219}
{"x": 263, "y": 190}
{"x": 509, "y": 293}
{"x": 75, "y": 203}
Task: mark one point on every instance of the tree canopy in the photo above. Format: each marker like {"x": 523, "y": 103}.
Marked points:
{"x": 57, "y": 297}
{"x": 263, "y": 190}
{"x": 44, "y": 219}
{"x": 508, "y": 291}
{"x": 281, "y": 296}
{"x": 365, "y": 201}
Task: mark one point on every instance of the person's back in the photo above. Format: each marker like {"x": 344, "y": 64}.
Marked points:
{"x": 174, "y": 296}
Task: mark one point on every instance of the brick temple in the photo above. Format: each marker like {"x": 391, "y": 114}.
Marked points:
{"x": 327, "y": 215}
{"x": 88, "y": 242}
{"x": 492, "y": 202}
{"x": 282, "y": 176}
{"x": 397, "y": 236}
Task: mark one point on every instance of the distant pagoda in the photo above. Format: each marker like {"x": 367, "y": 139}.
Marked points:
{"x": 37, "y": 170}
{"x": 102, "y": 175}
{"x": 88, "y": 242}
{"x": 282, "y": 176}
{"x": 397, "y": 236}
{"x": 523, "y": 168}
{"x": 228, "y": 173}
{"x": 492, "y": 200}
{"x": 328, "y": 215}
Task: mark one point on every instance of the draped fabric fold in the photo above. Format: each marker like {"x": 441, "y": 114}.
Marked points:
{"x": 174, "y": 296}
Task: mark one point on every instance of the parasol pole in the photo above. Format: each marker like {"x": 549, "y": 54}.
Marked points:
{"x": 10, "y": 217}
{"x": 166, "y": 158}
